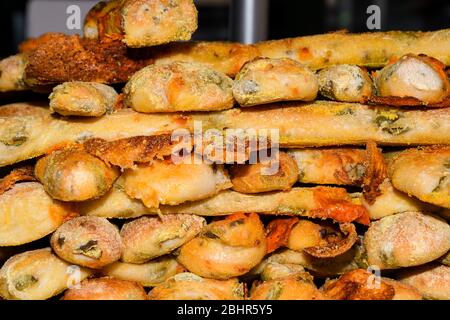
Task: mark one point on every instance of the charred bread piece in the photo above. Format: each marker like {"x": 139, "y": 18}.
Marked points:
{"x": 59, "y": 58}
{"x": 126, "y": 153}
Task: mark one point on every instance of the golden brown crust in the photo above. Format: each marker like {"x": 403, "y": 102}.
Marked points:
{"x": 344, "y": 82}
{"x": 163, "y": 21}
{"x": 340, "y": 166}
{"x": 61, "y": 58}
{"x": 28, "y": 213}
{"x": 275, "y": 270}
{"x": 319, "y": 267}
{"x": 104, "y": 19}
{"x": 392, "y": 201}
{"x": 445, "y": 259}
{"x": 148, "y": 274}
{"x": 262, "y": 177}
{"x": 432, "y": 182}
{"x": 431, "y": 280}
{"x": 358, "y": 285}
{"x": 402, "y": 290}
{"x": 406, "y": 102}
{"x": 166, "y": 183}
{"x": 320, "y": 240}
{"x": 178, "y": 86}
{"x": 278, "y": 232}
{"x": 335, "y": 245}
{"x": 217, "y": 146}
{"x": 127, "y": 152}
{"x": 317, "y": 202}
{"x": 300, "y": 125}
{"x": 72, "y": 174}
{"x": 150, "y": 237}
{"x": 225, "y": 57}
{"x": 336, "y": 204}
{"x": 106, "y": 289}
{"x": 264, "y": 80}
{"x": 372, "y": 49}
{"x": 375, "y": 173}
{"x": 298, "y": 201}
{"x": 12, "y": 73}
{"x": 235, "y": 230}
{"x": 188, "y": 286}
{"x": 298, "y": 287}
{"x": 142, "y": 23}
{"x": 413, "y": 80}
{"x": 406, "y": 239}
{"x": 328, "y": 49}
{"x": 24, "y": 109}
{"x": 37, "y": 275}
{"x": 25, "y": 173}
{"x": 88, "y": 241}
{"x": 32, "y": 44}
{"x": 88, "y": 99}
{"x": 226, "y": 248}
{"x": 114, "y": 204}
{"x": 308, "y": 234}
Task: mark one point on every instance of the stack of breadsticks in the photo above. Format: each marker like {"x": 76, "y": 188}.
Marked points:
{"x": 125, "y": 185}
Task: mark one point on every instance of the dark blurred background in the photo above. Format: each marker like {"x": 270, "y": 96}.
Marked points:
{"x": 20, "y": 19}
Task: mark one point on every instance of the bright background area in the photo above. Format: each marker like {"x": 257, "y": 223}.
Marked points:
{"x": 20, "y": 19}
